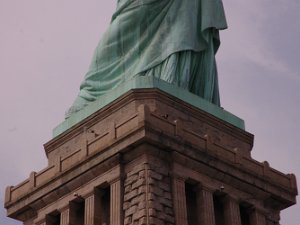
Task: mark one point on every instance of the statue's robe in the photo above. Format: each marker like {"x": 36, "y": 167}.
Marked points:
{"x": 174, "y": 40}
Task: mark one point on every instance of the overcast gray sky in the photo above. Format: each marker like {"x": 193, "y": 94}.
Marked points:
{"x": 46, "y": 47}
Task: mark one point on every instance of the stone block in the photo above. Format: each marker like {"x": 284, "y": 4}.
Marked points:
{"x": 141, "y": 174}
{"x": 142, "y": 205}
{"x": 165, "y": 217}
{"x": 128, "y": 220}
{"x": 164, "y": 186}
{"x": 155, "y": 221}
{"x": 128, "y": 188}
{"x": 130, "y": 211}
{"x": 152, "y": 212}
{"x": 131, "y": 179}
{"x": 143, "y": 221}
{"x": 139, "y": 214}
{"x": 168, "y": 211}
{"x": 136, "y": 170}
{"x": 154, "y": 175}
{"x": 155, "y": 205}
{"x": 131, "y": 195}
{"x": 138, "y": 183}
{"x": 141, "y": 189}
{"x": 138, "y": 199}
{"x": 126, "y": 205}
{"x": 167, "y": 195}
{"x": 156, "y": 190}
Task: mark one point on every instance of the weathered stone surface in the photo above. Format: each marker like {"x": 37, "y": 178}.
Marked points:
{"x": 145, "y": 148}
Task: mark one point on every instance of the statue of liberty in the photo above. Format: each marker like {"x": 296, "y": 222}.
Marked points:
{"x": 173, "y": 40}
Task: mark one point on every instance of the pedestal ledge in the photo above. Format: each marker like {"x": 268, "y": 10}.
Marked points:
{"x": 149, "y": 83}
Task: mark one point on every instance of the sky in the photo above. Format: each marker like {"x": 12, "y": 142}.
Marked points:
{"x": 46, "y": 47}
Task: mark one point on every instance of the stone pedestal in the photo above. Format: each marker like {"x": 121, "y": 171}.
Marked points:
{"x": 151, "y": 158}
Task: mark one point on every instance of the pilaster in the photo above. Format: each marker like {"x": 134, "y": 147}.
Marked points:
{"x": 231, "y": 211}
{"x": 116, "y": 203}
{"x": 65, "y": 217}
{"x": 205, "y": 203}
{"x": 257, "y": 218}
{"x": 92, "y": 209}
{"x": 179, "y": 201}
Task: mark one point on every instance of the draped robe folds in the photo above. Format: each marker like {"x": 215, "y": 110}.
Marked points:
{"x": 173, "y": 40}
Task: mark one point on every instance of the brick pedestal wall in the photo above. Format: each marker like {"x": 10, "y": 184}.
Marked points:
{"x": 147, "y": 197}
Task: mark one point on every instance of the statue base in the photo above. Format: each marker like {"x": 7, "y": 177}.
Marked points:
{"x": 148, "y": 83}
{"x": 151, "y": 158}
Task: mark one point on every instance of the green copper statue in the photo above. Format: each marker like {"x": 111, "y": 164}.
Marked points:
{"x": 173, "y": 40}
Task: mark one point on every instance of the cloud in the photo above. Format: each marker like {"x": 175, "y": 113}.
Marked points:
{"x": 247, "y": 24}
